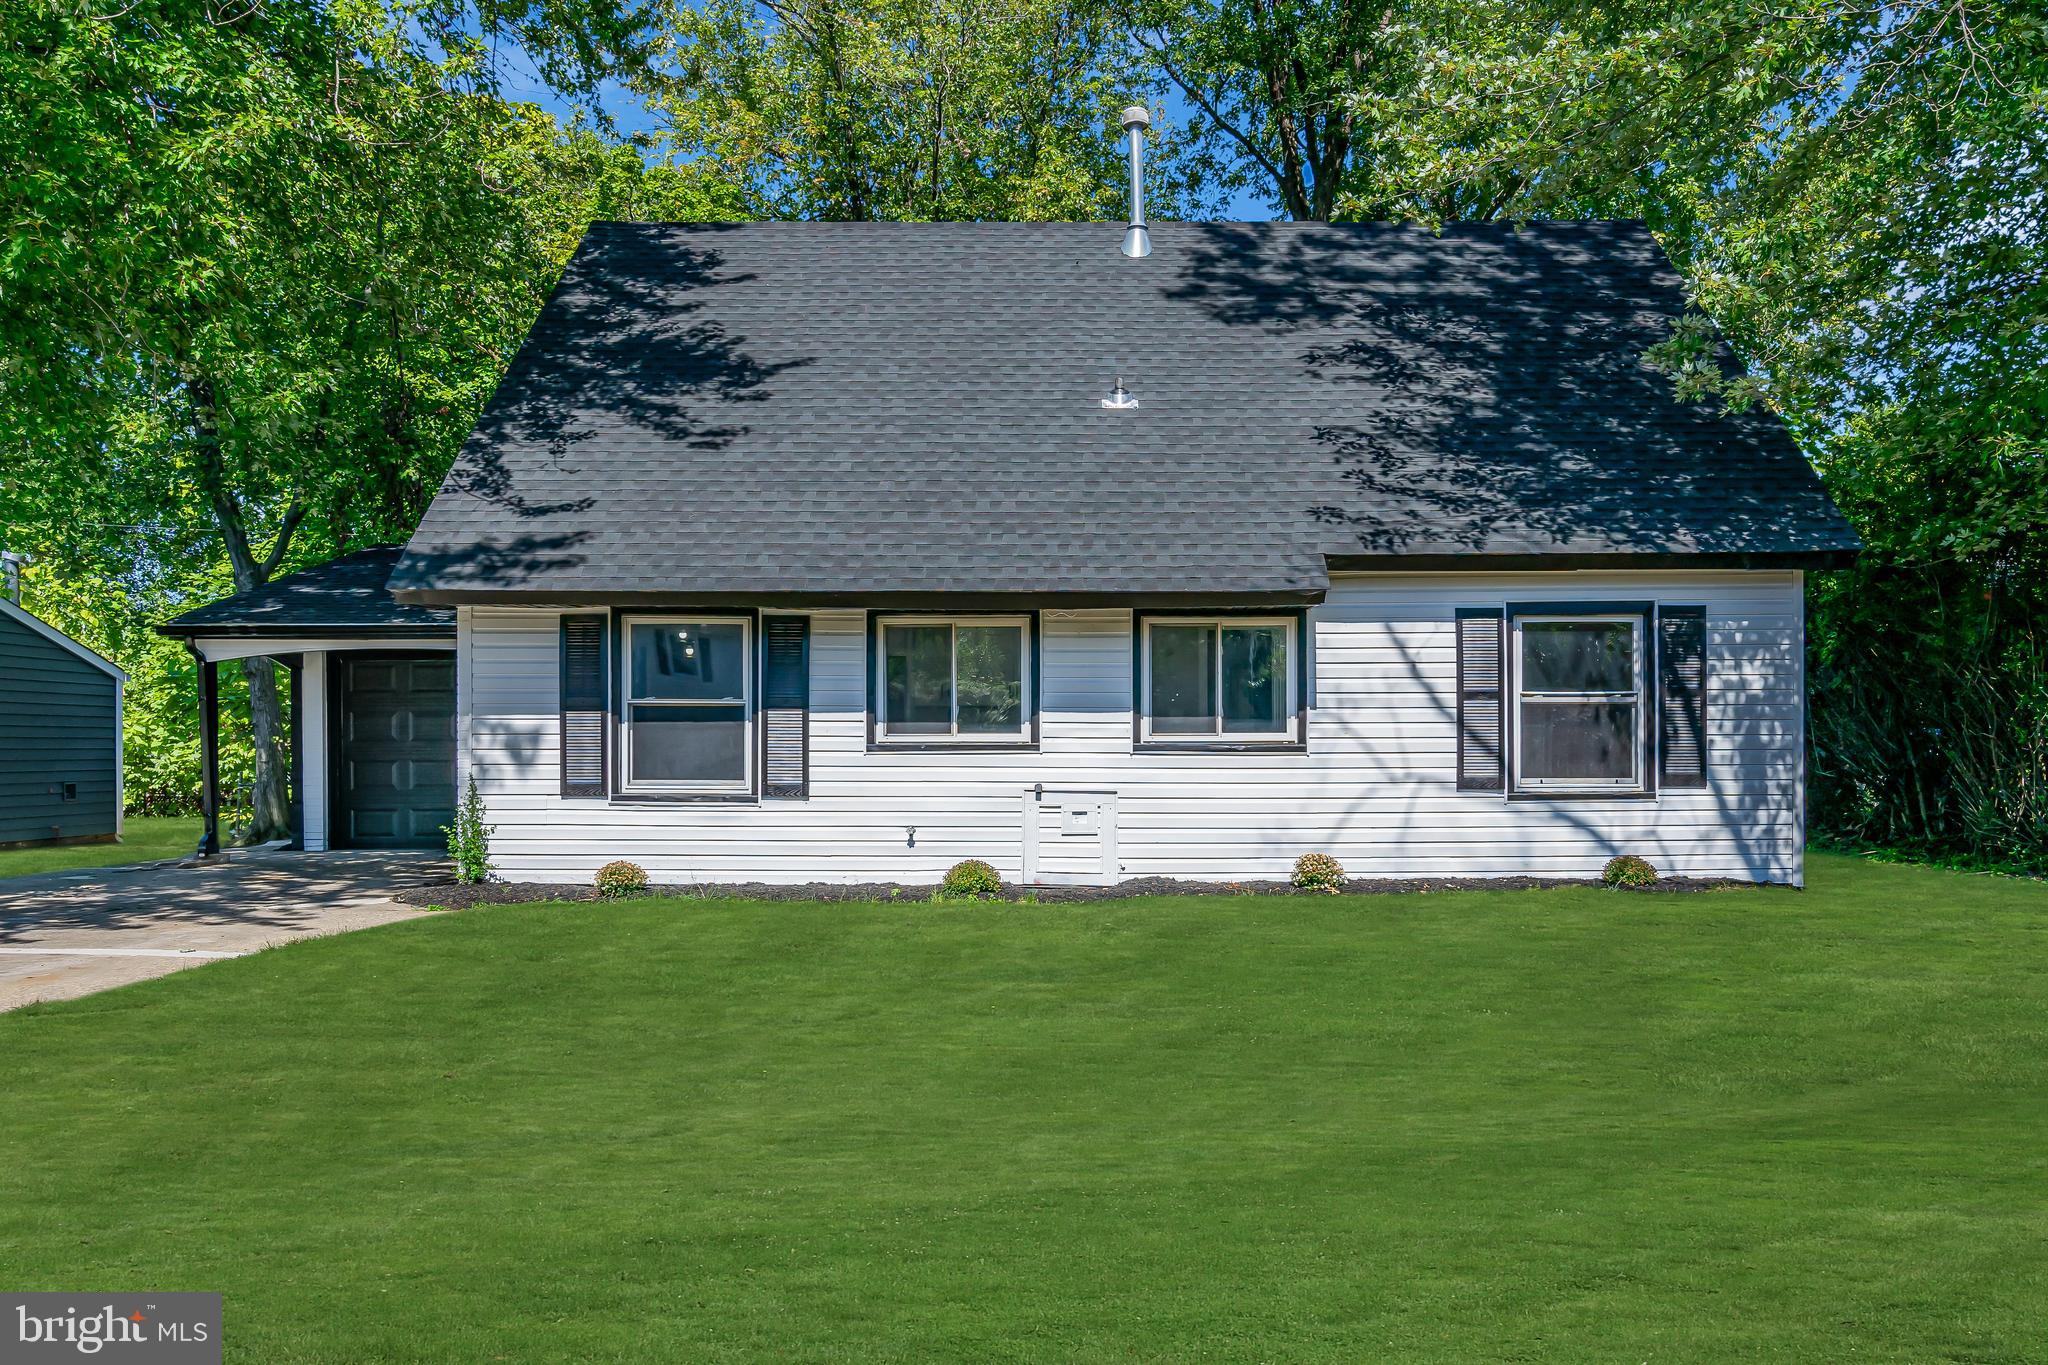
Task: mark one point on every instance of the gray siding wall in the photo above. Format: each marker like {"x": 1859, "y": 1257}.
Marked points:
{"x": 57, "y": 725}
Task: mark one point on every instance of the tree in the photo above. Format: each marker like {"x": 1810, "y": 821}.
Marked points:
{"x": 262, "y": 263}
{"x": 890, "y": 109}
{"x": 1272, "y": 87}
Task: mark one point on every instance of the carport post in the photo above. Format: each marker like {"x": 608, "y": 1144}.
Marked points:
{"x": 295, "y": 744}
{"x": 209, "y": 751}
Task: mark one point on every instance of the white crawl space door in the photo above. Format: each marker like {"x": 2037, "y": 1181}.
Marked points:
{"x": 1069, "y": 837}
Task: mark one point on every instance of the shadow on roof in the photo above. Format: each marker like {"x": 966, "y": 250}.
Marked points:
{"x": 1499, "y": 394}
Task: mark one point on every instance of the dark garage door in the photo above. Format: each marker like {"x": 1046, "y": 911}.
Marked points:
{"x": 395, "y": 782}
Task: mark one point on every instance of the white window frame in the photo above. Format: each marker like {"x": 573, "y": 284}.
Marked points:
{"x": 1021, "y": 736}
{"x": 1518, "y": 697}
{"x": 1289, "y": 733}
{"x": 745, "y": 783}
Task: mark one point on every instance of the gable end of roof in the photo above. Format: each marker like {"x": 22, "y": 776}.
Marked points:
{"x": 23, "y": 617}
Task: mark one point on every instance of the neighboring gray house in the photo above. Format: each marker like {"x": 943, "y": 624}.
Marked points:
{"x": 847, "y": 551}
{"x": 60, "y": 736}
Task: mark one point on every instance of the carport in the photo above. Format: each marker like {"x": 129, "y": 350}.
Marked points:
{"x": 370, "y": 701}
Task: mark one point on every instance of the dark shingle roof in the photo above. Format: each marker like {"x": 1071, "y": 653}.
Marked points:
{"x": 862, "y": 409}
{"x": 345, "y": 595}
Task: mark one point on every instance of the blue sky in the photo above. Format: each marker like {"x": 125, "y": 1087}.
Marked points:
{"x": 631, "y": 116}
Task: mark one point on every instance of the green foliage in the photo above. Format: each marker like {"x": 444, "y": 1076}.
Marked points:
{"x": 1951, "y": 862}
{"x": 469, "y": 838}
{"x": 619, "y": 878}
{"x": 1273, "y": 90}
{"x": 900, "y": 110}
{"x": 261, "y": 267}
{"x": 1628, "y": 870}
{"x": 1318, "y": 872}
{"x": 972, "y": 880}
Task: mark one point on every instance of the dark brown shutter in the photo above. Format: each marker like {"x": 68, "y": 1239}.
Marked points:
{"x": 585, "y": 725}
{"x": 1480, "y": 700}
{"x": 786, "y": 706}
{"x": 1681, "y": 696}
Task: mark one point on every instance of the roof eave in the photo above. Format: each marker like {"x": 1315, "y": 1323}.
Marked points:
{"x": 907, "y": 598}
{"x": 1468, "y": 562}
{"x": 22, "y": 615}
{"x": 1457, "y": 562}
{"x": 298, "y": 630}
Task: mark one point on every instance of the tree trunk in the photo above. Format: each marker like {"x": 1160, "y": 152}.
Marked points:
{"x": 269, "y": 797}
{"x": 270, "y": 812}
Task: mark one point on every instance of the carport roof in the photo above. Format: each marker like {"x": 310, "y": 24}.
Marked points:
{"x": 345, "y": 596}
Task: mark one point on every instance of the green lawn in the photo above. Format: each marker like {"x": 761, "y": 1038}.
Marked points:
{"x": 142, "y": 841}
{"x": 1568, "y": 1125}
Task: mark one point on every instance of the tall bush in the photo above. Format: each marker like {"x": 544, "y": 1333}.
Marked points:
{"x": 469, "y": 838}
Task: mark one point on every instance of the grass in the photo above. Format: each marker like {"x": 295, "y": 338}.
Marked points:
{"x": 1572, "y": 1125}
{"x": 142, "y": 841}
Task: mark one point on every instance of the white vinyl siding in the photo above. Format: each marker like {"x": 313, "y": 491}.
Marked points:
{"x": 1376, "y": 787}
{"x": 311, "y": 713}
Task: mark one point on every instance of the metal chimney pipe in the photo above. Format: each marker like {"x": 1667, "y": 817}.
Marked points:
{"x": 1137, "y": 242}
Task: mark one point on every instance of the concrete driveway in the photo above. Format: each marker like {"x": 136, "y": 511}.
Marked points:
{"x": 66, "y": 934}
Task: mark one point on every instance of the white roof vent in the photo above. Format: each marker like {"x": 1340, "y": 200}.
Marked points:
{"x": 1120, "y": 397}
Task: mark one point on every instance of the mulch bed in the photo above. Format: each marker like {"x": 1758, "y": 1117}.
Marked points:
{"x": 452, "y": 895}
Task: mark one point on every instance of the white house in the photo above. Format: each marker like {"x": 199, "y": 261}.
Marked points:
{"x": 843, "y": 552}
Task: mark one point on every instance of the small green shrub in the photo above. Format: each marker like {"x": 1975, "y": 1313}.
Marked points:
{"x": 621, "y": 878}
{"x": 972, "y": 880}
{"x": 1628, "y": 870}
{"x": 469, "y": 839}
{"x": 1318, "y": 872}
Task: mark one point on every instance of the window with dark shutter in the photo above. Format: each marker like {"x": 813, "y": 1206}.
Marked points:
{"x": 1681, "y": 696}
{"x": 1480, "y": 753}
{"x": 585, "y": 723}
{"x": 785, "y": 706}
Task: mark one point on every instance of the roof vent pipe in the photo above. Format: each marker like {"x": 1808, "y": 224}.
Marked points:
{"x": 1137, "y": 242}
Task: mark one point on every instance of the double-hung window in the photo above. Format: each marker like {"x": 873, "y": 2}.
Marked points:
{"x": 689, "y": 705}
{"x": 1227, "y": 680}
{"x": 1581, "y": 714}
{"x": 953, "y": 680}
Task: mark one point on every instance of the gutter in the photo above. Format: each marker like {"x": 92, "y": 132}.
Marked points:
{"x": 1499, "y": 563}
{"x": 178, "y": 630}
